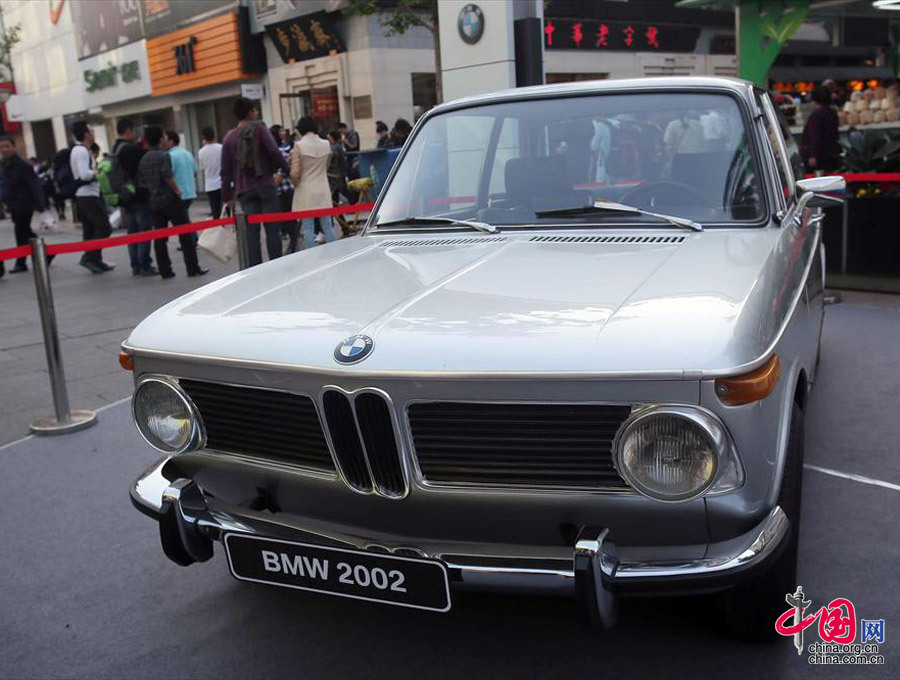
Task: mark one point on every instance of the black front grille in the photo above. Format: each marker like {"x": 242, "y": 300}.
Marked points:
{"x": 374, "y": 418}
{"x": 529, "y": 445}
{"x": 273, "y": 425}
{"x": 344, "y": 438}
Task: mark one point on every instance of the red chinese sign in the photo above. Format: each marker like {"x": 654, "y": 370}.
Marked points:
{"x": 573, "y": 34}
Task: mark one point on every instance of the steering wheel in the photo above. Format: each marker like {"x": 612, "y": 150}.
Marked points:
{"x": 645, "y": 195}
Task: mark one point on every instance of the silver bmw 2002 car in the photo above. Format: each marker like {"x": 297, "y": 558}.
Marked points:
{"x": 570, "y": 352}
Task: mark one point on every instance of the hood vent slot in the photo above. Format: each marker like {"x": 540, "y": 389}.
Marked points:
{"x": 607, "y": 239}
{"x": 418, "y": 243}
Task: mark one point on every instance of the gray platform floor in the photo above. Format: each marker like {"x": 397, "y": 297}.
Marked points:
{"x": 85, "y": 591}
{"x": 94, "y": 314}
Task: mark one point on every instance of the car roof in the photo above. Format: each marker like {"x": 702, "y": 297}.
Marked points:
{"x": 588, "y": 87}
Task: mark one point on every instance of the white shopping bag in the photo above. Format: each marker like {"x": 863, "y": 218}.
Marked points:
{"x": 115, "y": 218}
{"x": 220, "y": 242}
{"x": 48, "y": 220}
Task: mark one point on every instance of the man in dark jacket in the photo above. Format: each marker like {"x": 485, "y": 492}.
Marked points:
{"x": 156, "y": 180}
{"x": 22, "y": 194}
{"x": 132, "y": 203}
{"x": 337, "y": 167}
{"x": 819, "y": 146}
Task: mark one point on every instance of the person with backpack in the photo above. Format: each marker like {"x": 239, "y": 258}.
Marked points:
{"x": 123, "y": 192}
{"x": 91, "y": 209}
{"x": 156, "y": 180}
{"x": 22, "y": 194}
{"x": 251, "y": 160}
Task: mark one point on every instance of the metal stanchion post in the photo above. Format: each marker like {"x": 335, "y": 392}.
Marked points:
{"x": 845, "y": 234}
{"x": 65, "y": 420}
{"x": 240, "y": 233}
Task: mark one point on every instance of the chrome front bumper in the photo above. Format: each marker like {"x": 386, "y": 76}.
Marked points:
{"x": 595, "y": 574}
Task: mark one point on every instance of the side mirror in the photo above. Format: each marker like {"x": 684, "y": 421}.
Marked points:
{"x": 815, "y": 192}
{"x": 821, "y": 192}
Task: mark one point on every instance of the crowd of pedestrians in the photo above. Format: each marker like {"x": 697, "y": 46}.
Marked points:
{"x": 148, "y": 182}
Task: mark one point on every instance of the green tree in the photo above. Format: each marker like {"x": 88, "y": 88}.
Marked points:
{"x": 400, "y": 16}
{"x": 8, "y": 39}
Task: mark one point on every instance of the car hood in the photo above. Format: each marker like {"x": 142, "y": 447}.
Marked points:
{"x": 582, "y": 302}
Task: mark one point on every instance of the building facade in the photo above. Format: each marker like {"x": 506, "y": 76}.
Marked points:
{"x": 181, "y": 65}
{"x": 336, "y": 67}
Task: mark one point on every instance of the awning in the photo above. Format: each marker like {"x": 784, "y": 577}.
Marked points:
{"x": 793, "y": 74}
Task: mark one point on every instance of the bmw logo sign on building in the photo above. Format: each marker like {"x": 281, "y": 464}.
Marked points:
{"x": 471, "y": 24}
{"x": 353, "y": 349}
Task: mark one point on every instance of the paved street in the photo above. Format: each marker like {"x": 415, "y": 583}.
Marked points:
{"x": 87, "y": 592}
{"x": 94, "y": 312}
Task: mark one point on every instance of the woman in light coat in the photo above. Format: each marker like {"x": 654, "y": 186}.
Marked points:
{"x": 309, "y": 173}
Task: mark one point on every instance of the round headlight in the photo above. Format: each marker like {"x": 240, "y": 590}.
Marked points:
{"x": 165, "y": 417}
{"x": 670, "y": 453}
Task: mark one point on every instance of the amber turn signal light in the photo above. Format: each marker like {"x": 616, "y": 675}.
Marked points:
{"x": 750, "y": 387}
{"x": 126, "y": 360}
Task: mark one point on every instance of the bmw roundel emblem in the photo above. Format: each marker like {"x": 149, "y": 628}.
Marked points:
{"x": 353, "y": 349}
{"x": 470, "y": 24}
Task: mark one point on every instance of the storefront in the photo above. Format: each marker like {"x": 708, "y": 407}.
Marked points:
{"x": 309, "y": 80}
{"x": 196, "y": 73}
{"x": 336, "y": 68}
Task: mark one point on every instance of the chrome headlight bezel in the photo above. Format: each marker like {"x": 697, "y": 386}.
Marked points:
{"x": 728, "y": 473}
{"x": 197, "y": 436}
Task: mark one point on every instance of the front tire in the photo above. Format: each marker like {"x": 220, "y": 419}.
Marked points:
{"x": 751, "y": 608}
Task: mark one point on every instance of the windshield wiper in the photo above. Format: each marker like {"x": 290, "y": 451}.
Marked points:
{"x": 472, "y": 224}
{"x": 601, "y": 205}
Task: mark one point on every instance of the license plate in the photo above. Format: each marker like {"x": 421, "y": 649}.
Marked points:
{"x": 401, "y": 581}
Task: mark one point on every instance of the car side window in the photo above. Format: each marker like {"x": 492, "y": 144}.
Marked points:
{"x": 773, "y": 136}
{"x": 790, "y": 145}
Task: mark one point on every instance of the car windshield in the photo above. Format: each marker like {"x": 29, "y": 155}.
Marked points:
{"x": 682, "y": 154}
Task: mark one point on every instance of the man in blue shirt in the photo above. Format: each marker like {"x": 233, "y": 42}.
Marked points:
{"x": 184, "y": 168}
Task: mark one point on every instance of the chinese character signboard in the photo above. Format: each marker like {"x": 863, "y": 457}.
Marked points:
{"x": 622, "y": 36}
{"x": 305, "y": 37}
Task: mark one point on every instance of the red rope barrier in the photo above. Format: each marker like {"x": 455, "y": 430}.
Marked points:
{"x": 153, "y": 234}
{"x": 880, "y": 177}
{"x": 306, "y": 214}
{"x": 139, "y": 237}
{"x": 14, "y": 253}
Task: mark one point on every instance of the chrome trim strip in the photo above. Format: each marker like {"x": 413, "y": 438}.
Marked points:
{"x": 765, "y": 538}
{"x": 758, "y": 544}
